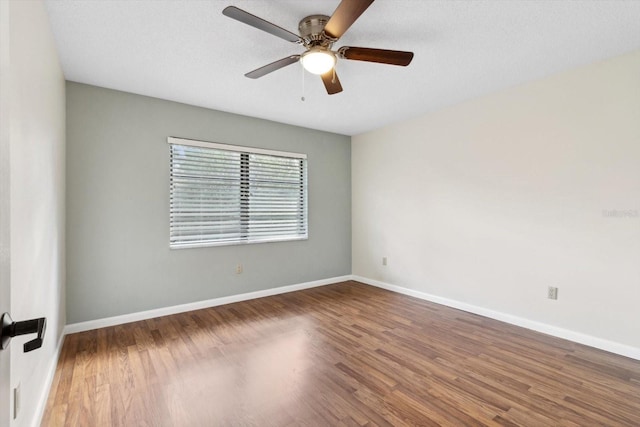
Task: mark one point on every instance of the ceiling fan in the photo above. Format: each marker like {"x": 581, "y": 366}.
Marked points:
{"x": 318, "y": 33}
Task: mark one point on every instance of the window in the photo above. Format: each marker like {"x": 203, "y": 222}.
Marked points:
{"x": 224, "y": 194}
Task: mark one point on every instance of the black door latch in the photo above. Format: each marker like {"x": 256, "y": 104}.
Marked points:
{"x": 12, "y": 329}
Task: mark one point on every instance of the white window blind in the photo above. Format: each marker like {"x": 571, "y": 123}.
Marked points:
{"x": 224, "y": 194}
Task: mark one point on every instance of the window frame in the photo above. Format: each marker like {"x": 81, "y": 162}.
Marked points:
{"x": 244, "y": 196}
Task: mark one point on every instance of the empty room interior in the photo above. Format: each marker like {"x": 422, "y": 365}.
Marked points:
{"x": 319, "y": 213}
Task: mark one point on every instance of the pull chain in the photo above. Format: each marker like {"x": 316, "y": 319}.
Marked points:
{"x": 302, "y": 97}
{"x": 333, "y": 79}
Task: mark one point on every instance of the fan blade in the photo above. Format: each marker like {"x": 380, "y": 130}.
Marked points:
{"x": 261, "y": 24}
{"x": 382, "y": 56}
{"x": 344, "y": 16}
{"x": 331, "y": 82}
{"x": 269, "y": 68}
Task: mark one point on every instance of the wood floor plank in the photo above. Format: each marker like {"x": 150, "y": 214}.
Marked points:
{"x": 346, "y": 355}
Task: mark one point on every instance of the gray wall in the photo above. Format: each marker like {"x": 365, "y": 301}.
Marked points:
{"x": 118, "y": 257}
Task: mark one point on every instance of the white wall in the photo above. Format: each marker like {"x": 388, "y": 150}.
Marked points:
{"x": 5, "y": 230}
{"x": 37, "y": 145}
{"x": 489, "y": 202}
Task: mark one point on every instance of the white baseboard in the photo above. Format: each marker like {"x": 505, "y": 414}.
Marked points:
{"x": 51, "y": 373}
{"x": 578, "y": 337}
{"x": 603, "y": 344}
{"x": 165, "y": 311}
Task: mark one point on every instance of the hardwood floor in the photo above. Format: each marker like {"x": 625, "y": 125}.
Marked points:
{"x": 346, "y": 354}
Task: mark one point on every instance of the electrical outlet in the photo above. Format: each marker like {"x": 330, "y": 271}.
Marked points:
{"x": 552, "y": 293}
{"x": 16, "y": 401}
{"x": 384, "y": 260}
{"x": 239, "y": 269}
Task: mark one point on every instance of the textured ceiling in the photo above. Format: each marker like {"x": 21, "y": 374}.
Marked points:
{"x": 187, "y": 51}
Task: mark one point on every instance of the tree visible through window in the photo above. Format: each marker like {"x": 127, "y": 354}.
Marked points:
{"x": 223, "y": 194}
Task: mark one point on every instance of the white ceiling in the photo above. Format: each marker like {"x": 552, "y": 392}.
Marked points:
{"x": 187, "y": 51}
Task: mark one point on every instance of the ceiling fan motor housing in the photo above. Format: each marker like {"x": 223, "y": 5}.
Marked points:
{"x": 311, "y": 29}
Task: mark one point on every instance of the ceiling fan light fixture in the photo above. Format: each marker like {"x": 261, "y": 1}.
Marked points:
{"x": 318, "y": 60}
